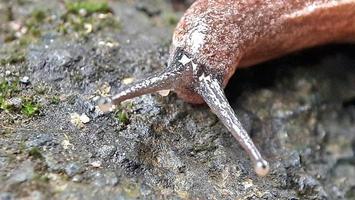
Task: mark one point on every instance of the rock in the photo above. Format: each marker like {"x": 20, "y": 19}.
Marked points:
{"x": 84, "y": 118}
{"x": 293, "y": 160}
{"x": 3, "y": 162}
{"x": 36, "y": 195}
{"x": 6, "y": 196}
{"x": 15, "y": 102}
{"x": 53, "y": 164}
{"x": 72, "y": 169}
{"x": 25, "y": 80}
{"x": 77, "y": 178}
{"x": 105, "y": 179}
{"x": 96, "y": 164}
{"x": 106, "y": 151}
{"x": 39, "y": 140}
{"x": 23, "y": 173}
{"x": 310, "y": 186}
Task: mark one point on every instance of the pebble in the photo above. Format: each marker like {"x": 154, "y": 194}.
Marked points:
{"x": 72, "y": 169}
{"x": 39, "y": 140}
{"x": 84, "y": 118}
{"x": 3, "y": 161}
{"x": 105, "y": 178}
{"x": 79, "y": 120}
{"x": 96, "y": 164}
{"x": 25, "y": 80}
{"x": 23, "y": 173}
{"x": 6, "y": 196}
{"x": 77, "y": 178}
{"x": 106, "y": 151}
{"x": 15, "y": 102}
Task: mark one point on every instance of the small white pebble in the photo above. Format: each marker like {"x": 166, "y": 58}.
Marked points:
{"x": 127, "y": 81}
{"x": 15, "y": 25}
{"x": 53, "y": 176}
{"x": 83, "y": 12}
{"x": 96, "y": 98}
{"x": 25, "y": 80}
{"x": 105, "y": 89}
{"x": 84, "y": 118}
{"x": 23, "y": 30}
{"x": 96, "y": 164}
{"x": 65, "y": 144}
{"x": 247, "y": 184}
{"x": 75, "y": 119}
{"x": 102, "y": 16}
{"x": 88, "y": 28}
{"x": 102, "y": 43}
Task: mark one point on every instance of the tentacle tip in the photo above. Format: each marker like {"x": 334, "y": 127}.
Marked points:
{"x": 262, "y": 168}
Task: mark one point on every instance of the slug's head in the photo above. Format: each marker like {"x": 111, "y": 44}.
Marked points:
{"x": 197, "y": 83}
{"x": 181, "y": 76}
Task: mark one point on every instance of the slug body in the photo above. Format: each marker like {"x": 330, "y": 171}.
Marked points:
{"x": 215, "y": 37}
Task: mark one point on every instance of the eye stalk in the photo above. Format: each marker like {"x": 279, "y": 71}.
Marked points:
{"x": 211, "y": 91}
{"x": 193, "y": 83}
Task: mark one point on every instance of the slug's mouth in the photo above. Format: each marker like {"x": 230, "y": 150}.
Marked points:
{"x": 189, "y": 96}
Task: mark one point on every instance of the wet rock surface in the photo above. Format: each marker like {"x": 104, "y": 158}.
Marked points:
{"x": 299, "y": 110}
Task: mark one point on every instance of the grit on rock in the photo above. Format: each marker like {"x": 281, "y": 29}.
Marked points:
{"x": 59, "y": 60}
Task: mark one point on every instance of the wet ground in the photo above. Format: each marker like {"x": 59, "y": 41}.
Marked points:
{"x": 57, "y": 60}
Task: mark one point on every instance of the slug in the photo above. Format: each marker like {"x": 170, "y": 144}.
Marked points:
{"x": 215, "y": 37}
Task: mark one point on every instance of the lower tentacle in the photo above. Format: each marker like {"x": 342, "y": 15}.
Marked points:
{"x": 211, "y": 91}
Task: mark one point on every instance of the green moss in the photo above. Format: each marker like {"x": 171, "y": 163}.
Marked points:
{"x": 30, "y": 108}
{"x": 3, "y": 105}
{"x": 350, "y": 194}
{"x": 130, "y": 189}
{"x": 89, "y": 6}
{"x": 170, "y": 19}
{"x": 109, "y": 21}
{"x": 8, "y": 89}
{"x": 122, "y": 112}
{"x": 22, "y": 146}
{"x": 17, "y": 46}
{"x": 41, "y": 178}
{"x": 41, "y": 89}
{"x": 35, "y": 153}
{"x": 34, "y": 23}
{"x": 13, "y": 59}
{"x": 122, "y": 117}
{"x": 84, "y": 17}
{"x": 55, "y": 100}
{"x": 77, "y": 77}
{"x": 14, "y": 55}
{"x": 38, "y": 15}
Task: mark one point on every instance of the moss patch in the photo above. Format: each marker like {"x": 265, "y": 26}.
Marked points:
{"x": 85, "y": 17}
{"x": 35, "y": 153}
{"x": 122, "y": 112}
{"x": 27, "y": 105}
{"x": 7, "y": 90}
{"x": 122, "y": 116}
{"x": 30, "y": 108}
{"x": 89, "y": 7}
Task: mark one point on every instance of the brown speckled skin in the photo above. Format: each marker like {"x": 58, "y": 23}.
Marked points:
{"x": 223, "y": 35}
